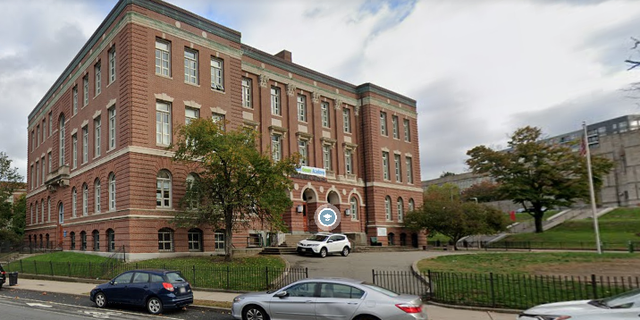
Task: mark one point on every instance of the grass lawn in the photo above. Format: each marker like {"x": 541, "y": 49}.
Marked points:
{"x": 616, "y": 229}
{"x": 523, "y": 216}
{"x": 66, "y": 257}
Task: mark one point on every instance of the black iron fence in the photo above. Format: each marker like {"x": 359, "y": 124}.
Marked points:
{"x": 212, "y": 277}
{"x": 630, "y": 246}
{"x": 502, "y": 290}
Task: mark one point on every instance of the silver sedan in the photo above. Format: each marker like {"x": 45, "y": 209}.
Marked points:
{"x": 328, "y": 298}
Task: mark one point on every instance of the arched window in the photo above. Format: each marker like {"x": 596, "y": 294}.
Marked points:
{"x": 61, "y": 144}
{"x": 97, "y": 188}
{"x": 72, "y": 235}
{"x": 74, "y": 200}
{"x": 96, "y": 240}
{"x": 163, "y": 189}
{"x": 354, "y": 208}
{"x": 60, "y": 213}
{"x": 41, "y": 211}
{"x": 165, "y": 239}
{"x": 391, "y": 238}
{"x": 400, "y": 210}
{"x": 83, "y": 240}
{"x": 192, "y": 193}
{"x": 85, "y": 199}
{"x": 195, "y": 240}
{"x": 36, "y": 220}
{"x": 47, "y": 241}
{"x": 412, "y": 205}
{"x": 387, "y": 207}
{"x": 48, "y": 210}
{"x": 112, "y": 192}
{"x": 111, "y": 240}
{"x": 41, "y": 241}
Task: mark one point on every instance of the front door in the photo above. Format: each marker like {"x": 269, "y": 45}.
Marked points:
{"x": 305, "y": 219}
{"x": 299, "y": 304}
{"x": 118, "y": 288}
{"x": 337, "y": 301}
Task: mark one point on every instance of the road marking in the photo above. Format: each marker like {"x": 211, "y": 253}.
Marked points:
{"x": 38, "y": 305}
{"x": 101, "y": 315}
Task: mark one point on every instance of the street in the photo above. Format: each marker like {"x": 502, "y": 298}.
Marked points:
{"x": 25, "y": 304}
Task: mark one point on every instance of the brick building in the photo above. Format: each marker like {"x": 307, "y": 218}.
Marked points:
{"x": 100, "y": 175}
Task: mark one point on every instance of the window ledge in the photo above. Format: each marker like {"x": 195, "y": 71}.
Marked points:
{"x": 192, "y": 84}
{"x": 163, "y": 76}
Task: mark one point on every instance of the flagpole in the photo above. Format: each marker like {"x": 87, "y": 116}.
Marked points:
{"x": 591, "y": 190}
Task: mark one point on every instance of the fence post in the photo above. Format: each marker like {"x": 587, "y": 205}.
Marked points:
{"x": 21, "y": 268}
{"x": 266, "y": 276}
{"x": 306, "y": 273}
{"x": 69, "y": 268}
{"x": 51, "y": 267}
{"x": 593, "y": 286}
{"x": 35, "y": 265}
{"x": 373, "y": 275}
{"x": 430, "y": 282}
{"x": 194, "y": 275}
{"x": 493, "y": 295}
{"x": 227, "y": 277}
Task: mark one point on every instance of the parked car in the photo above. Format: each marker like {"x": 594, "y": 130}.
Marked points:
{"x": 154, "y": 289}
{"x": 325, "y": 243}
{"x": 3, "y": 276}
{"x": 328, "y": 298}
{"x": 623, "y": 306}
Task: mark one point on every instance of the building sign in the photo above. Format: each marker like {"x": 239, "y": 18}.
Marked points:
{"x": 327, "y": 217}
{"x": 382, "y": 232}
{"x": 318, "y": 172}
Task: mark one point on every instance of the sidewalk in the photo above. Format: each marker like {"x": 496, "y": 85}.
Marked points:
{"x": 435, "y": 312}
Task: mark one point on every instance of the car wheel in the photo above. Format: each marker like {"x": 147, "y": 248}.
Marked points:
{"x": 254, "y": 313}
{"x": 100, "y": 300}
{"x": 323, "y": 252}
{"x": 345, "y": 251}
{"x": 154, "y": 305}
{"x": 366, "y": 317}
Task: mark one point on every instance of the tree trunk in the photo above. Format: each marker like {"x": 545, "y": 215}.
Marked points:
{"x": 228, "y": 235}
{"x": 538, "y": 221}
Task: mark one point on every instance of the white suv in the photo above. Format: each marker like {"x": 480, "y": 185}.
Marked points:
{"x": 325, "y": 243}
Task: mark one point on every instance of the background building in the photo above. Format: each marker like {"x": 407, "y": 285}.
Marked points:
{"x": 100, "y": 175}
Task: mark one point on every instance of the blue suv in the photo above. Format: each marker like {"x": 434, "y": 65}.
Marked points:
{"x": 153, "y": 289}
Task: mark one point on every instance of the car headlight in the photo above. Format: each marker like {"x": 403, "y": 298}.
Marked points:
{"x": 237, "y": 299}
{"x": 313, "y": 245}
{"x": 554, "y": 317}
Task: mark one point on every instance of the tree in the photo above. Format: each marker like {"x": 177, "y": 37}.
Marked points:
{"x": 485, "y": 191}
{"x": 456, "y": 219}
{"x": 12, "y": 216}
{"x": 538, "y": 174}
{"x": 447, "y": 174}
{"x": 236, "y": 184}
{"x": 447, "y": 191}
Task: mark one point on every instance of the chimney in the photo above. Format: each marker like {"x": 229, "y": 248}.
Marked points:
{"x": 284, "y": 54}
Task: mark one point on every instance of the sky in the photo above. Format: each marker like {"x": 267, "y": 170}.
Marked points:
{"x": 478, "y": 69}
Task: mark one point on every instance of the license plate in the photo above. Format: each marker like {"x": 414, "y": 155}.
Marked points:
{"x": 182, "y": 290}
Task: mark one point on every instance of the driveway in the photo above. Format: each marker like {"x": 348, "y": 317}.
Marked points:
{"x": 359, "y": 265}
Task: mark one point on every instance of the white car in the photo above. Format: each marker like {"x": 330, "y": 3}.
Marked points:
{"x": 325, "y": 243}
{"x": 623, "y": 306}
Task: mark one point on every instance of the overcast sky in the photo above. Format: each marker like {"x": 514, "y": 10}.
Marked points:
{"x": 478, "y": 69}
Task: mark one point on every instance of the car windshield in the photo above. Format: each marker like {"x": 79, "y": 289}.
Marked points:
{"x": 381, "y": 290}
{"x": 624, "y": 300}
{"x": 174, "y": 277}
{"x": 318, "y": 237}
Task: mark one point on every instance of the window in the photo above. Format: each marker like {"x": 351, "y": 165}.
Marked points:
{"x": 192, "y": 194}
{"x": 163, "y": 123}
{"x": 394, "y": 124}
{"x": 165, "y": 239}
{"x": 385, "y": 165}
{"x": 412, "y": 205}
{"x": 33, "y": 140}
{"x": 163, "y": 189}
{"x": 346, "y": 120}
{"x": 246, "y": 93}
{"x": 303, "y": 149}
{"x": 61, "y": 145}
{"x": 112, "y": 64}
{"x": 111, "y": 240}
{"x": 407, "y": 135}
{"x": 400, "y": 210}
{"x": 41, "y": 211}
{"x": 85, "y": 144}
{"x": 383, "y": 124}
{"x": 48, "y": 210}
{"x": 396, "y": 160}
{"x": 98, "y": 78}
{"x": 326, "y": 157}
{"x": 306, "y": 289}
{"x": 33, "y": 178}
{"x": 217, "y": 75}
{"x": 409, "y": 168}
{"x": 85, "y": 200}
{"x": 72, "y": 235}
{"x": 83, "y": 241}
{"x": 85, "y": 90}
{"x": 163, "y": 61}
{"x": 195, "y": 240}
{"x": 98, "y": 189}
{"x": 97, "y": 125}
{"x": 37, "y": 175}
{"x": 96, "y": 240}
{"x": 74, "y": 150}
{"x": 50, "y": 124}
{"x": 191, "y": 114}
{"x": 74, "y": 201}
{"x": 112, "y": 128}
{"x": 302, "y": 108}
{"x": 218, "y": 118}
{"x": 44, "y": 130}
{"x": 354, "y": 208}
{"x": 31, "y": 206}
{"x": 340, "y": 291}
{"x": 348, "y": 161}
{"x": 218, "y": 240}
{"x": 190, "y": 66}
{"x": 276, "y": 147}
{"x": 387, "y": 208}
{"x": 275, "y": 100}
{"x": 112, "y": 192}
{"x": 44, "y": 174}
{"x": 324, "y": 109}
{"x": 37, "y": 135}
{"x": 60, "y": 213}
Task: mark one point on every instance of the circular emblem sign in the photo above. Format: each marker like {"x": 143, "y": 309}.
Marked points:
{"x": 327, "y": 217}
